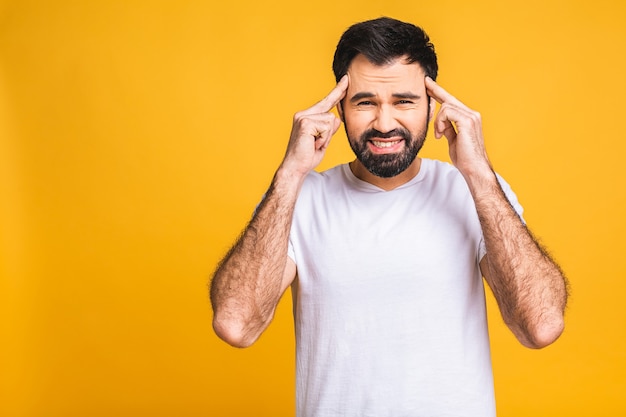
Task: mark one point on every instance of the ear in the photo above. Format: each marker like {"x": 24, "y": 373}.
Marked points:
{"x": 431, "y": 108}
{"x": 340, "y": 111}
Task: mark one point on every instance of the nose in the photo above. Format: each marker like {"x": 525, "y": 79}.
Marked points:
{"x": 384, "y": 121}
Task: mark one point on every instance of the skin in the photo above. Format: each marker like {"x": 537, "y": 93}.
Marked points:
{"x": 256, "y": 272}
{"x": 529, "y": 287}
{"x": 385, "y": 98}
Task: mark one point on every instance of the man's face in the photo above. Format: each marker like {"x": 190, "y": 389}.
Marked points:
{"x": 385, "y": 114}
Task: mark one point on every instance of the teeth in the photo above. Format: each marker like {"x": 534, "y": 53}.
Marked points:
{"x": 380, "y": 144}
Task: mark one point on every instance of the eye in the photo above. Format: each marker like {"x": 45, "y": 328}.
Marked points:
{"x": 365, "y": 103}
{"x": 405, "y": 102}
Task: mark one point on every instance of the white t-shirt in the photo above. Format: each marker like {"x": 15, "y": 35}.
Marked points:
{"x": 389, "y": 301}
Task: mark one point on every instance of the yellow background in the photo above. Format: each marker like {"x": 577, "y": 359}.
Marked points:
{"x": 138, "y": 136}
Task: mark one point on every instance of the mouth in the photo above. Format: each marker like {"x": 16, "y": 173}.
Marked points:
{"x": 386, "y": 146}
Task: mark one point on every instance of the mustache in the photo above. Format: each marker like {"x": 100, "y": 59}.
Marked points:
{"x": 373, "y": 133}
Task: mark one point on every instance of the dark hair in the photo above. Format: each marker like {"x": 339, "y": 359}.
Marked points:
{"x": 383, "y": 40}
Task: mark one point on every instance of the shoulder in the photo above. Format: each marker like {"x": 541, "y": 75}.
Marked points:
{"x": 439, "y": 174}
{"x": 445, "y": 176}
{"x": 333, "y": 177}
{"x": 444, "y": 172}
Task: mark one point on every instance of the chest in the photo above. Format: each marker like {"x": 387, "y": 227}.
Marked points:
{"x": 358, "y": 244}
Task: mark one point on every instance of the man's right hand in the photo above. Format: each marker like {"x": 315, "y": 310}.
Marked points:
{"x": 311, "y": 132}
{"x": 249, "y": 282}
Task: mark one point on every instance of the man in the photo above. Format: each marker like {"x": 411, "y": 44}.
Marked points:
{"x": 385, "y": 255}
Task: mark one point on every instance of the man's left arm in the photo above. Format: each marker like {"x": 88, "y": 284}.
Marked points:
{"x": 529, "y": 286}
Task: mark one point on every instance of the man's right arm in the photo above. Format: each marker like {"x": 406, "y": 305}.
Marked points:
{"x": 256, "y": 272}
{"x": 251, "y": 279}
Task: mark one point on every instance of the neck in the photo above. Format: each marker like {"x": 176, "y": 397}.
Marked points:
{"x": 386, "y": 184}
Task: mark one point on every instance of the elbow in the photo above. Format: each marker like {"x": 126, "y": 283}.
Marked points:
{"x": 233, "y": 332}
{"x": 544, "y": 333}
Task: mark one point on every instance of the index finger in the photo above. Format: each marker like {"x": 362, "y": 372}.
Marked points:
{"x": 439, "y": 93}
{"x": 331, "y": 100}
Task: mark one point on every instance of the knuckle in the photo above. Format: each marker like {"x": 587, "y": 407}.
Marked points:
{"x": 305, "y": 123}
{"x": 313, "y": 125}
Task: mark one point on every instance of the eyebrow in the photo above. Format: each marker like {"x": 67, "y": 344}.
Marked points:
{"x": 407, "y": 94}
{"x": 366, "y": 94}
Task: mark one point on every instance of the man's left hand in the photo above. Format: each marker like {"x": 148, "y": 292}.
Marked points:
{"x": 462, "y": 127}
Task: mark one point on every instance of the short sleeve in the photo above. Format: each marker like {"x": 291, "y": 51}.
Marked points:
{"x": 291, "y": 253}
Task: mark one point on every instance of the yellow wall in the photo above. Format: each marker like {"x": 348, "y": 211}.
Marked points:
{"x": 137, "y": 137}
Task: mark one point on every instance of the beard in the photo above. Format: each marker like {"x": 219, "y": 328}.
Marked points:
{"x": 387, "y": 165}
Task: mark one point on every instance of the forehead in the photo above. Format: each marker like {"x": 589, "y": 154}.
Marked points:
{"x": 398, "y": 75}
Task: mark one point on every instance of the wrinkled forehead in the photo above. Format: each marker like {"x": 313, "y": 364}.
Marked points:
{"x": 398, "y": 75}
